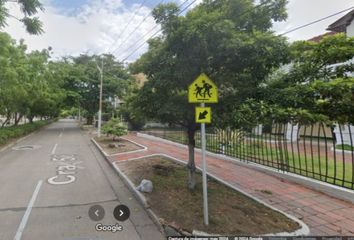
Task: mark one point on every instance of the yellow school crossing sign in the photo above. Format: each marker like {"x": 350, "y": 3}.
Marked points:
{"x": 203, "y": 115}
{"x": 202, "y": 90}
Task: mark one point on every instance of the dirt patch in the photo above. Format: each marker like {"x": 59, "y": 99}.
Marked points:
{"x": 118, "y": 146}
{"x": 230, "y": 212}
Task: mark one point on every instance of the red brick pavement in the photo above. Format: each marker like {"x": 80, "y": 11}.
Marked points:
{"x": 323, "y": 214}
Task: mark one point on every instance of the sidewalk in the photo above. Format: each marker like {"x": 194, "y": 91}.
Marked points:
{"x": 323, "y": 214}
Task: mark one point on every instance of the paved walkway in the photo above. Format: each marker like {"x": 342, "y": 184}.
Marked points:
{"x": 323, "y": 214}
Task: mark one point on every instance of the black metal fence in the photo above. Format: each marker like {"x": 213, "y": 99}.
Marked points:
{"x": 316, "y": 151}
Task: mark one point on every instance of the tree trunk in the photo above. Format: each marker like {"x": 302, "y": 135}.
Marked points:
{"x": 18, "y": 118}
{"x": 30, "y": 119}
{"x": 89, "y": 120}
{"x": 191, "y": 163}
{"x": 8, "y": 117}
{"x": 5, "y": 122}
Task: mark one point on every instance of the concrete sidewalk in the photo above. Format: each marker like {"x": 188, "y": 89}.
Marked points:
{"x": 323, "y": 214}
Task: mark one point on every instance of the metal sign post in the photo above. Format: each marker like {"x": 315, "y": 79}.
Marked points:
{"x": 204, "y": 165}
{"x": 202, "y": 91}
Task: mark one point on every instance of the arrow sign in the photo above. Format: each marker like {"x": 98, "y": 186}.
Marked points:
{"x": 121, "y": 213}
{"x": 203, "y": 115}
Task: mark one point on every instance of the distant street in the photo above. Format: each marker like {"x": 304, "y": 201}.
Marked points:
{"x": 48, "y": 186}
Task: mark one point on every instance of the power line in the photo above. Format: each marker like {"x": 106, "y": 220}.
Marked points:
{"x": 129, "y": 22}
{"x": 136, "y": 28}
{"x": 152, "y": 29}
{"x": 316, "y": 21}
{"x": 141, "y": 45}
{"x": 144, "y": 42}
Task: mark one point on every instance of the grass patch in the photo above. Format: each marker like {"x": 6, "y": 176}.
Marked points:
{"x": 280, "y": 156}
{"x": 230, "y": 212}
{"x": 122, "y": 145}
{"x": 345, "y": 147}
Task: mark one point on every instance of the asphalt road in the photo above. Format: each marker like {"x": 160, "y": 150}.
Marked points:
{"x": 46, "y": 192}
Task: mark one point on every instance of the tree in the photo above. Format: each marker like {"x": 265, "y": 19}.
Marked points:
{"x": 11, "y": 92}
{"x": 230, "y": 41}
{"x": 318, "y": 80}
{"x": 29, "y": 8}
{"x": 130, "y": 110}
{"x": 30, "y": 83}
{"x": 82, "y": 82}
{"x": 115, "y": 128}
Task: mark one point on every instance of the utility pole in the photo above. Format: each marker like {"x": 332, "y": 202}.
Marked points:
{"x": 100, "y": 69}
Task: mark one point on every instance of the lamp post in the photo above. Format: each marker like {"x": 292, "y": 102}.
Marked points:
{"x": 100, "y": 69}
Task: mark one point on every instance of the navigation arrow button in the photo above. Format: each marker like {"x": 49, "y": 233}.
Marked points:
{"x": 121, "y": 213}
{"x": 96, "y": 213}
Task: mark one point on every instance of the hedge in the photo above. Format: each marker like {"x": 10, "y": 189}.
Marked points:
{"x": 8, "y": 133}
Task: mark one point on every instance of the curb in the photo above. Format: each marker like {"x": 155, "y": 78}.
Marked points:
{"x": 303, "y": 231}
{"x": 316, "y": 185}
{"x": 140, "y": 197}
{"x": 9, "y": 145}
{"x": 144, "y": 148}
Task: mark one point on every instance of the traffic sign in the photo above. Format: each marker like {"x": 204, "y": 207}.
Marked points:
{"x": 203, "y": 115}
{"x": 202, "y": 90}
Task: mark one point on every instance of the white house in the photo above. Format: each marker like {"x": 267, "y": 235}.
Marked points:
{"x": 344, "y": 24}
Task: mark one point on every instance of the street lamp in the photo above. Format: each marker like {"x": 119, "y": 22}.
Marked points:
{"x": 100, "y": 69}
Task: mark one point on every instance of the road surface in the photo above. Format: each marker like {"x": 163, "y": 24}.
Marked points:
{"x": 46, "y": 192}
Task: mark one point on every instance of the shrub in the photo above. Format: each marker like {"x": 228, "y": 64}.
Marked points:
{"x": 115, "y": 128}
{"x": 8, "y": 133}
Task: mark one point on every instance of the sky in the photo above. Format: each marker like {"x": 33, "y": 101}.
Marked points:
{"x": 73, "y": 27}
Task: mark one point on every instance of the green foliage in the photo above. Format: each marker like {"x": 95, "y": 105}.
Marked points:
{"x": 317, "y": 85}
{"x": 82, "y": 82}
{"x": 130, "y": 111}
{"x": 9, "y": 133}
{"x": 228, "y": 40}
{"x": 115, "y": 128}
{"x": 345, "y": 147}
{"x": 28, "y": 8}
{"x": 312, "y": 61}
{"x": 253, "y": 112}
{"x": 33, "y": 25}
{"x": 30, "y": 83}
{"x": 336, "y": 99}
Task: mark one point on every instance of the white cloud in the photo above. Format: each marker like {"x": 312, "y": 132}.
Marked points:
{"x": 97, "y": 26}
{"x": 93, "y": 28}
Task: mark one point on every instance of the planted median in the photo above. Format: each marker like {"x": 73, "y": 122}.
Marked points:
{"x": 178, "y": 207}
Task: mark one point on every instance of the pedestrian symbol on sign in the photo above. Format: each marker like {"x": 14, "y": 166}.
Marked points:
{"x": 202, "y": 90}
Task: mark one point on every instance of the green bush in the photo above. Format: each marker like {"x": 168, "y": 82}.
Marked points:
{"x": 115, "y": 128}
{"x": 8, "y": 133}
